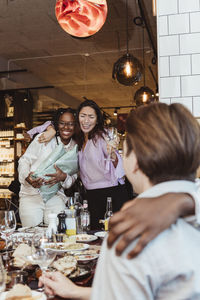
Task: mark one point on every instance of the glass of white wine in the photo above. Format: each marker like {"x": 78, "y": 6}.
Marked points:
{"x": 112, "y": 140}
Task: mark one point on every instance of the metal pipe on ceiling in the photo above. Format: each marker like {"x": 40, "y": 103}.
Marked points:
{"x": 148, "y": 28}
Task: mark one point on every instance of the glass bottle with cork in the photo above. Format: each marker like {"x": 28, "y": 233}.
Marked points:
{"x": 85, "y": 218}
{"x": 78, "y": 207}
{"x": 108, "y": 213}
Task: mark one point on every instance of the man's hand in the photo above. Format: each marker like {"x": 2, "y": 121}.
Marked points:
{"x": 56, "y": 177}
{"x": 56, "y": 283}
{"x": 36, "y": 183}
{"x": 145, "y": 218}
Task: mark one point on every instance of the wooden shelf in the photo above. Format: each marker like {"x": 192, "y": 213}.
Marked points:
{"x": 4, "y": 187}
{"x": 7, "y": 138}
{"x": 22, "y": 128}
{"x": 7, "y": 118}
{"x": 20, "y": 139}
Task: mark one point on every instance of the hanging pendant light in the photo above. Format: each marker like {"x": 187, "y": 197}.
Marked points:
{"x": 144, "y": 95}
{"x": 81, "y": 18}
{"x": 127, "y": 69}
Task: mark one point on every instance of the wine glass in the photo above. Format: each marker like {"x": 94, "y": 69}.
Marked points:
{"x": 40, "y": 254}
{"x": 2, "y": 277}
{"x": 112, "y": 139}
{"x": 7, "y": 227}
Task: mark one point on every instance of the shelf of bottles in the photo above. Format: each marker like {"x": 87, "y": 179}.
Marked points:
{"x": 6, "y": 161}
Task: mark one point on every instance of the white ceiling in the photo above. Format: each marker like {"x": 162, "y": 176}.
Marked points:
{"x": 31, "y": 38}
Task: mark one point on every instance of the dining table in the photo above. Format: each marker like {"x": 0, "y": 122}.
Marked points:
{"x": 84, "y": 281}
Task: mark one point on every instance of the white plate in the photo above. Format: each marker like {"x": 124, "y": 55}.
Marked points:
{"x": 32, "y": 230}
{"x": 34, "y": 294}
{"x": 101, "y": 234}
{"x": 23, "y": 229}
{"x": 86, "y": 258}
{"x": 22, "y": 234}
{"x": 86, "y": 238}
{"x": 83, "y": 247}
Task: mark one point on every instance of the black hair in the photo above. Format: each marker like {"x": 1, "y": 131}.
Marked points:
{"x": 56, "y": 118}
{"x": 99, "y": 128}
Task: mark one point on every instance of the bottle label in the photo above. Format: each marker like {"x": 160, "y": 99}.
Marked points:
{"x": 85, "y": 220}
{"x": 106, "y": 224}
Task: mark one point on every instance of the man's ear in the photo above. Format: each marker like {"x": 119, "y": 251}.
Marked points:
{"x": 135, "y": 162}
{"x": 136, "y": 168}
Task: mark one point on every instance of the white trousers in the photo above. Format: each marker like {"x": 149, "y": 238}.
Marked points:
{"x": 33, "y": 210}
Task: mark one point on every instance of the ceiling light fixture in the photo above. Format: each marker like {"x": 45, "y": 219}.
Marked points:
{"x": 115, "y": 112}
{"x": 81, "y": 18}
{"x": 144, "y": 95}
{"x": 127, "y": 69}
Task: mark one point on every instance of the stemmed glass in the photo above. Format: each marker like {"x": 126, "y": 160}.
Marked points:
{"x": 2, "y": 277}
{"x": 112, "y": 139}
{"x": 7, "y": 226}
{"x": 41, "y": 255}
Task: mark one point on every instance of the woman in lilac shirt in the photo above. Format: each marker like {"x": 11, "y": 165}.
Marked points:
{"x": 101, "y": 176}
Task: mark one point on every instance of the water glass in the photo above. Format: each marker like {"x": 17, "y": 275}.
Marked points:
{"x": 2, "y": 277}
{"x": 7, "y": 226}
{"x": 41, "y": 255}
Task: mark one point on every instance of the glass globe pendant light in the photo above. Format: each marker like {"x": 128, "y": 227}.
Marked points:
{"x": 144, "y": 95}
{"x": 127, "y": 69}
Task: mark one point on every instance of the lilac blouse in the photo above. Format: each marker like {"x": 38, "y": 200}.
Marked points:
{"x": 39, "y": 129}
{"x": 97, "y": 172}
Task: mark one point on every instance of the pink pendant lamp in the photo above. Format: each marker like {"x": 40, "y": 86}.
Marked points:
{"x": 81, "y": 18}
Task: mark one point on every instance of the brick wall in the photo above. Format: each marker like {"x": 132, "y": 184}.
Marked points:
{"x": 179, "y": 52}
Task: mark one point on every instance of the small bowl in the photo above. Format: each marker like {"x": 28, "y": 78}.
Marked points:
{"x": 17, "y": 276}
{"x": 101, "y": 234}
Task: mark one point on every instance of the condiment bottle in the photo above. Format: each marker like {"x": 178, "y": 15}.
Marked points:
{"x": 61, "y": 222}
{"x": 52, "y": 228}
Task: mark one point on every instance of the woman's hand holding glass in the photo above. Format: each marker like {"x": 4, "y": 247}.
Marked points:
{"x": 112, "y": 140}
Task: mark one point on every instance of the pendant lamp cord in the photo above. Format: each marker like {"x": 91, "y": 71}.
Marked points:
{"x": 143, "y": 53}
{"x": 127, "y": 50}
{"x": 85, "y": 74}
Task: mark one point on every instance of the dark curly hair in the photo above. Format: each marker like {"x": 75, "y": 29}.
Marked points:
{"x": 56, "y": 118}
{"x": 99, "y": 128}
